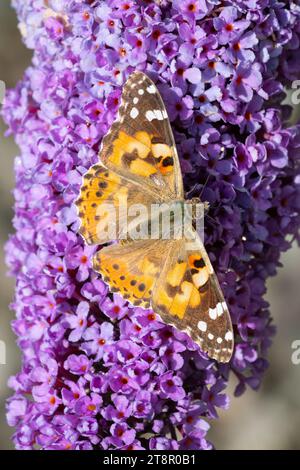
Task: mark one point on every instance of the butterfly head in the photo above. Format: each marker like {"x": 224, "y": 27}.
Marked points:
{"x": 198, "y": 209}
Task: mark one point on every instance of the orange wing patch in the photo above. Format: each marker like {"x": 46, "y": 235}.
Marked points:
{"x": 178, "y": 292}
{"x": 131, "y": 269}
{"x": 140, "y": 145}
{"x": 99, "y": 186}
{"x": 142, "y": 155}
{"x": 103, "y": 197}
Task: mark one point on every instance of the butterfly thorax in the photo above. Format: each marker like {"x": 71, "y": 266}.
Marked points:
{"x": 174, "y": 220}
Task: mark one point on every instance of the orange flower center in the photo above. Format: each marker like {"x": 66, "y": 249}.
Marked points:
{"x": 192, "y": 7}
{"x": 151, "y": 316}
{"x": 229, "y": 27}
{"x": 156, "y": 34}
{"x": 52, "y": 401}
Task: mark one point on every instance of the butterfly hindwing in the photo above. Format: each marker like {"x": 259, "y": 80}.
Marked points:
{"x": 132, "y": 269}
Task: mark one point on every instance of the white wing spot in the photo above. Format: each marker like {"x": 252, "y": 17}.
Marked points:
{"x": 151, "y": 89}
{"x": 150, "y": 115}
{"x": 210, "y": 269}
{"x": 202, "y": 325}
{"x": 159, "y": 114}
{"x": 210, "y": 336}
{"x": 219, "y": 340}
{"x": 141, "y": 91}
{"x": 220, "y": 309}
{"x": 155, "y": 114}
{"x": 135, "y": 100}
{"x": 213, "y": 313}
{"x": 134, "y": 113}
{"x": 228, "y": 336}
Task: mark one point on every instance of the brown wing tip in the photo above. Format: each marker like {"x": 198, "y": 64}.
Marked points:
{"x": 138, "y": 76}
{"x": 219, "y": 354}
{"x": 223, "y": 356}
{"x": 137, "y": 73}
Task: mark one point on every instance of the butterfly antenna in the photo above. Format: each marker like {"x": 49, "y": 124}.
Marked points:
{"x": 189, "y": 194}
{"x": 211, "y": 219}
{"x": 205, "y": 184}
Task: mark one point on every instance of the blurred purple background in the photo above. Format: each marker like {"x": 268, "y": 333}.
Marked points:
{"x": 268, "y": 419}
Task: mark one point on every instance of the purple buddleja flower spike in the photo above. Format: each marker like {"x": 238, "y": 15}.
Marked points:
{"x": 97, "y": 373}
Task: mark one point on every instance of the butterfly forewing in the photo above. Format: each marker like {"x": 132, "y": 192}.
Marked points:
{"x": 187, "y": 295}
{"x": 103, "y": 202}
{"x": 140, "y": 144}
{"x": 138, "y": 163}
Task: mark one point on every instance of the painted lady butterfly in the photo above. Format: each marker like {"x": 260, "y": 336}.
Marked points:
{"x": 139, "y": 165}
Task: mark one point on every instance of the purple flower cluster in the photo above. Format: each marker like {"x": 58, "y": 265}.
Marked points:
{"x": 97, "y": 373}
